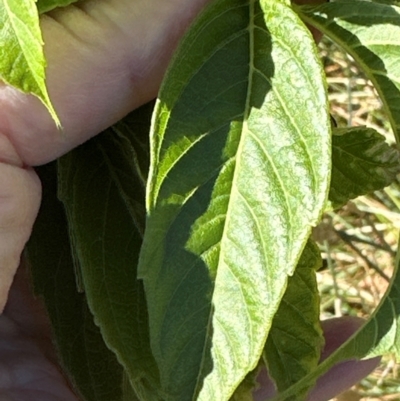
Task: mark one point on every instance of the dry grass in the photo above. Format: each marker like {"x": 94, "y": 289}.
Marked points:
{"x": 359, "y": 242}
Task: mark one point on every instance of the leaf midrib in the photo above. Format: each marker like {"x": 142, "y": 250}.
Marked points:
{"x": 251, "y": 29}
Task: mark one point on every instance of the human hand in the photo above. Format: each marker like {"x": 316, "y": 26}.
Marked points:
{"x": 29, "y": 370}
{"x": 105, "y": 58}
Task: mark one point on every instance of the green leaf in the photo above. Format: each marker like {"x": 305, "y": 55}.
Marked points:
{"x": 295, "y": 341}
{"x": 47, "y": 5}
{"x": 239, "y": 173}
{"x": 245, "y": 390}
{"x": 91, "y": 366}
{"x": 370, "y": 33}
{"x": 389, "y": 2}
{"x": 362, "y": 162}
{"x": 22, "y": 62}
{"x": 103, "y": 191}
{"x": 380, "y": 335}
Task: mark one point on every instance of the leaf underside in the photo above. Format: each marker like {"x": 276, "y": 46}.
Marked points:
{"x": 362, "y": 162}
{"x": 239, "y": 173}
{"x": 91, "y": 366}
{"x": 294, "y": 344}
{"x": 380, "y": 335}
{"x": 103, "y": 190}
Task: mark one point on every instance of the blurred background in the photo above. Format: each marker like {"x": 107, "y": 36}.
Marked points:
{"x": 359, "y": 241}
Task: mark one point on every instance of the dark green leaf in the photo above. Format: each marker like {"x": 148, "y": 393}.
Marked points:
{"x": 362, "y": 162}
{"x": 239, "y": 173}
{"x": 380, "y": 335}
{"x": 370, "y": 33}
{"x": 244, "y": 392}
{"x": 295, "y": 341}
{"x": 47, "y": 5}
{"x": 389, "y": 2}
{"x": 103, "y": 192}
{"x": 91, "y": 366}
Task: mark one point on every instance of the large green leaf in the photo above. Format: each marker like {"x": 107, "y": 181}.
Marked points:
{"x": 362, "y": 162}
{"x": 370, "y": 32}
{"x": 103, "y": 190}
{"x": 239, "y": 172}
{"x": 294, "y": 344}
{"x": 91, "y": 366}
{"x": 47, "y": 5}
{"x": 22, "y": 62}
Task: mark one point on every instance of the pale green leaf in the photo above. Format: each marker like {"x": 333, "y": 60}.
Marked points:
{"x": 103, "y": 190}
{"x": 370, "y": 33}
{"x": 22, "y": 62}
{"x": 362, "y": 162}
{"x": 295, "y": 341}
{"x": 47, "y": 5}
{"x": 239, "y": 172}
{"x": 91, "y": 366}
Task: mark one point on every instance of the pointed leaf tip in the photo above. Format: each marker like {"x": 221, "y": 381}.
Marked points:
{"x": 240, "y": 171}
{"x": 22, "y": 62}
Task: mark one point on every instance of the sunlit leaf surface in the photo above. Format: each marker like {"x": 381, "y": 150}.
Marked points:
{"x": 370, "y": 33}
{"x": 22, "y": 62}
{"x": 239, "y": 173}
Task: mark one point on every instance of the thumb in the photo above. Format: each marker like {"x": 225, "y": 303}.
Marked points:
{"x": 105, "y": 58}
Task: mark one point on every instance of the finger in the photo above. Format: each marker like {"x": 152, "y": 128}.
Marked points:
{"x": 20, "y": 193}
{"x": 26, "y": 317}
{"x": 26, "y": 341}
{"x": 341, "y": 376}
{"x": 345, "y": 374}
{"x": 25, "y": 373}
{"x": 28, "y": 362}
{"x": 105, "y": 58}
{"x": 28, "y": 311}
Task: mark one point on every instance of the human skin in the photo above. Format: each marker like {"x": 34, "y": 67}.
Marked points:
{"x": 105, "y": 58}
{"x": 96, "y": 75}
{"x": 341, "y": 376}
